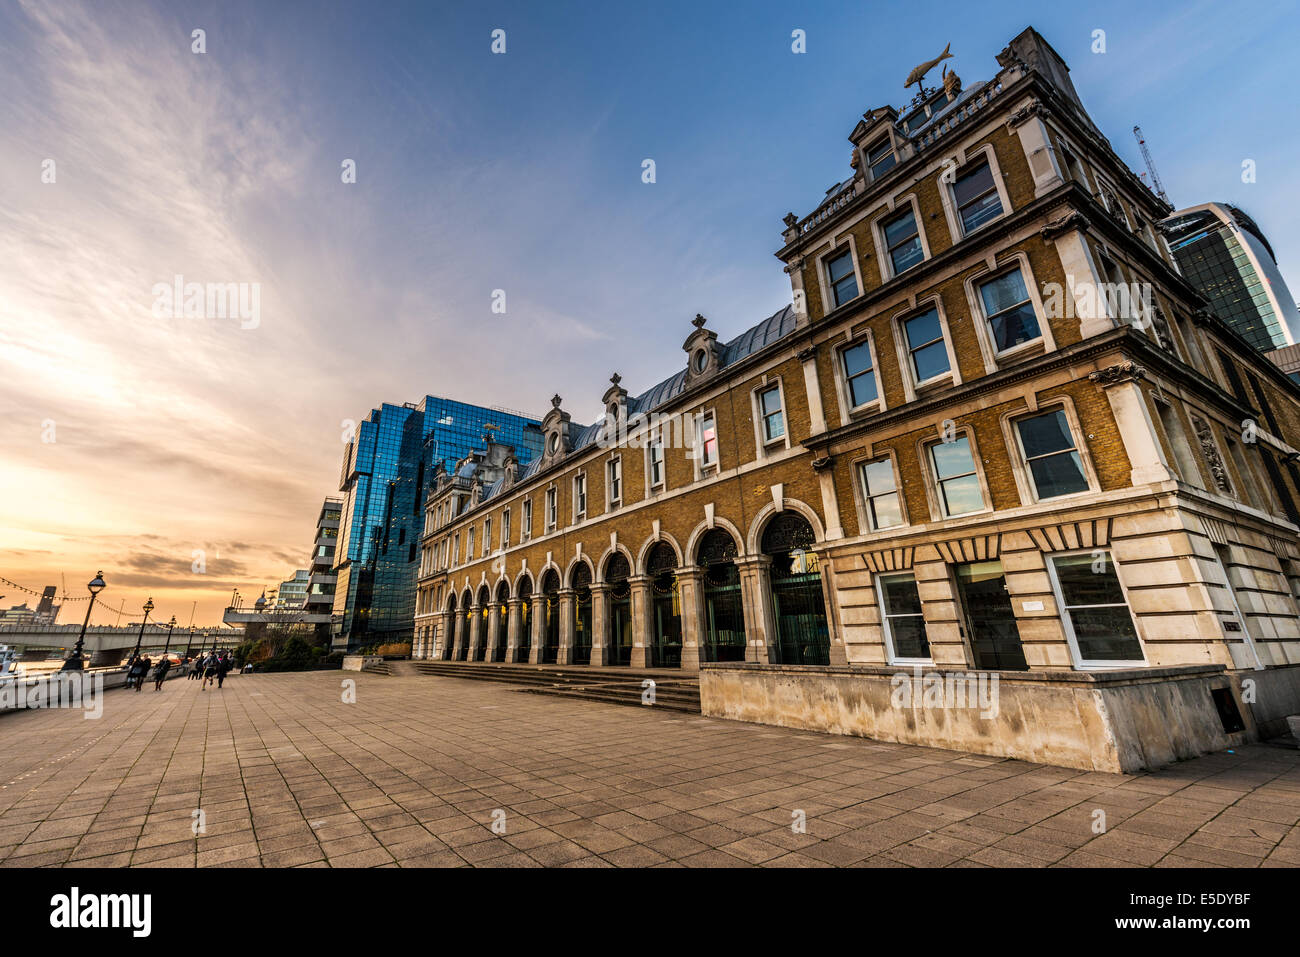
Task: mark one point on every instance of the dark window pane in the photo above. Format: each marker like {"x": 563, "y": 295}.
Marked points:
{"x": 1015, "y": 327}
{"x": 857, "y": 359}
{"x": 1060, "y": 474}
{"x": 972, "y": 184}
{"x": 771, "y": 401}
{"x": 1086, "y": 580}
{"x": 930, "y": 361}
{"x": 909, "y": 637}
{"x": 840, "y": 266}
{"x": 862, "y": 389}
{"x": 1106, "y": 634}
{"x": 1003, "y": 292}
{"x": 923, "y": 328}
{"x": 900, "y": 228}
{"x": 901, "y": 597}
{"x": 1044, "y": 434}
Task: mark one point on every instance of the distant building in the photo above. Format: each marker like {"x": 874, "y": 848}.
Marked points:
{"x": 293, "y": 592}
{"x": 1288, "y": 360}
{"x": 47, "y": 613}
{"x": 18, "y": 615}
{"x": 386, "y": 469}
{"x": 321, "y": 579}
{"x": 1222, "y": 252}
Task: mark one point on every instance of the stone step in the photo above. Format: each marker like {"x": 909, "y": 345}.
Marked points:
{"x": 674, "y": 690}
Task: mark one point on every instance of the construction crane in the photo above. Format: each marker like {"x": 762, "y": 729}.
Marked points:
{"x": 1151, "y": 167}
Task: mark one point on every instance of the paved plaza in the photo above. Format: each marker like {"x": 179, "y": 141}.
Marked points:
{"x": 416, "y": 771}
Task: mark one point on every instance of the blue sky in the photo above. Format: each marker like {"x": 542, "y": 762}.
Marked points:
{"x": 475, "y": 172}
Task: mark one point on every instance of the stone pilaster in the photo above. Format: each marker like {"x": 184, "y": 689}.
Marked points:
{"x": 494, "y": 630}
{"x": 564, "y": 656}
{"x": 690, "y": 585}
{"x": 642, "y": 621}
{"x": 514, "y": 618}
{"x": 599, "y": 625}
{"x": 475, "y": 631}
{"x": 756, "y": 599}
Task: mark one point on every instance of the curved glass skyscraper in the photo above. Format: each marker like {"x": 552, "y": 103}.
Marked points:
{"x": 385, "y": 469}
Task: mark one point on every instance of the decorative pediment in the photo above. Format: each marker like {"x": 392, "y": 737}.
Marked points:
{"x": 703, "y": 351}
{"x": 555, "y": 427}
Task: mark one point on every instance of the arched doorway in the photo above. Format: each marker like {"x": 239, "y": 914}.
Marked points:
{"x": 798, "y": 604}
{"x": 466, "y": 623}
{"x": 665, "y": 607}
{"x": 582, "y": 614}
{"x": 724, "y": 614}
{"x": 525, "y": 619}
{"x": 551, "y": 608}
{"x": 503, "y": 621}
{"x": 618, "y": 639}
{"x": 449, "y": 639}
{"x": 484, "y": 596}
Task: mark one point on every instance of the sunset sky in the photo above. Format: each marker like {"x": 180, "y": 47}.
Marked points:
{"x": 130, "y": 442}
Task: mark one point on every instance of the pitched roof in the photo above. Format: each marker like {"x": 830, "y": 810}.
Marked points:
{"x": 758, "y": 337}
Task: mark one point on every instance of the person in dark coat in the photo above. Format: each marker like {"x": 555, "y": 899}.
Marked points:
{"x": 160, "y": 673}
{"x": 139, "y": 670}
{"x": 223, "y": 666}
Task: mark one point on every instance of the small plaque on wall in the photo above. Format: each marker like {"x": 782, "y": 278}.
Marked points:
{"x": 1033, "y": 606}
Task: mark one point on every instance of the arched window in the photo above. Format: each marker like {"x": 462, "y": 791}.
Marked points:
{"x": 666, "y": 607}
{"x": 798, "y": 604}
{"x": 484, "y": 597}
{"x": 582, "y": 614}
{"x": 525, "y": 618}
{"x": 618, "y": 640}
{"x": 449, "y": 639}
{"x": 503, "y": 621}
{"x": 551, "y": 608}
{"x": 724, "y": 614}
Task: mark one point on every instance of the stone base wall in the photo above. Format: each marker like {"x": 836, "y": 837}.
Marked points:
{"x": 1118, "y": 721}
{"x": 361, "y": 662}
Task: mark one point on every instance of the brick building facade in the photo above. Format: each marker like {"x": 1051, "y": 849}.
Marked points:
{"x": 995, "y": 433}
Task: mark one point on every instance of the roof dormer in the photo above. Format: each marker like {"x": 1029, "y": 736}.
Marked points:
{"x": 703, "y": 351}
{"x": 555, "y": 426}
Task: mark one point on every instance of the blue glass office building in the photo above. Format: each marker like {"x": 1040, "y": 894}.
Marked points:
{"x": 384, "y": 481}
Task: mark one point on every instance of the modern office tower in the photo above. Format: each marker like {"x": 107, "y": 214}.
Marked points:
{"x": 321, "y": 580}
{"x": 292, "y": 593}
{"x": 1222, "y": 252}
{"x": 386, "y": 468}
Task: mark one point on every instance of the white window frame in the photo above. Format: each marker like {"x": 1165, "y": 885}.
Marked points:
{"x": 505, "y": 528}
{"x": 469, "y": 543}
{"x": 762, "y": 443}
{"x": 612, "y": 464}
{"x": 551, "y": 503}
{"x": 579, "y": 495}
{"x": 863, "y": 501}
{"x": 932, "y": 491}
{"x": 1024, "y": 477}
{"x": 455, "y": 550}
{"x": 948, "y": 194}
{"x": 703, "y": 468}
{"x": 824, "y": 272}
{"x": 886, "y": 138}
{"x": 911, "y": 384}
{"x": 487, "y": 536}
{"x": 1067, "y": 625}
{"x": 843, "y": 394}
{"x": 886, "y": 628}
{"x": 984, "y": 334}
{"x": 883, "y": 258}
{"x": 653, "y": 442}
{"x": 526, "y": 520}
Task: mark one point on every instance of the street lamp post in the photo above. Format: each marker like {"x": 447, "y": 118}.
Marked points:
{"x": 74, "y": 662}
{"x": 170, "y": 625}
{"x": 189, "y": 643}
{"x": 148, "y": 607}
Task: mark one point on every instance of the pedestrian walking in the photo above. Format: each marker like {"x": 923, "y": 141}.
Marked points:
{"x": 139, "y": 670}
{"x": 160, "y": 673}
{"x": 222, "y": 667}
{"x": 209, "y": 671}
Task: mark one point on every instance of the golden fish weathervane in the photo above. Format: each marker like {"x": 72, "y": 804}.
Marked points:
{"x": 918, "y": 73}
